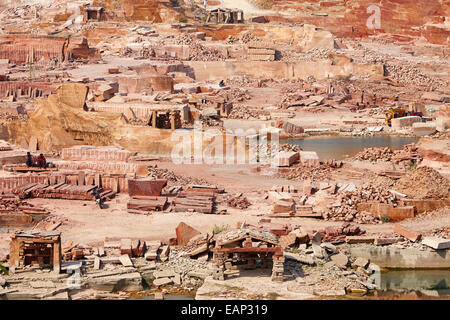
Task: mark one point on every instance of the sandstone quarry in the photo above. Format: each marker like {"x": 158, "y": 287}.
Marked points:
{"x": 229, "y": 149}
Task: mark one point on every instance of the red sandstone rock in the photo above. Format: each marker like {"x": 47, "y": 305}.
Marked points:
{"x": 145, "y": 187}
{"x": 406, "y": 233}
{"x": 185, "y": 233}
{"x": 287, "y": 240}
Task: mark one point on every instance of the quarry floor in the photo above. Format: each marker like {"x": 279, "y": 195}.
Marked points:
{"x": 85, "y": 223}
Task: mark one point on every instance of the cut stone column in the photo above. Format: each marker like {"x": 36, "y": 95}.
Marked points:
{"x": 278, "y": 267}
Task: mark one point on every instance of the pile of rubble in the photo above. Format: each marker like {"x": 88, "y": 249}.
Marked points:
{"x": 198, "y": 245}
{"x": 15, "y": 204}
{"x": 138, "y": 122}
{"x": 408, "y": 153}
{"x": 375, "y": 154}
{"x": 380, "y": 182}
{"x": 443, "y": 232}
{"x": 235, "y": 95}
{"x": 198, "y": 52}
{"x": 239, "y": 201}
{"x": 401, "y": 71}
{"x": 8, "y": 117}
{"x": 191, "y": 271}
{"x": 445, "y": 135}
{"x": 172, "y": 178}
{"x": 240, "y": 81}
{"x": 245, "y": 37}
{"x": 50, "y": 223}
{"x": 314, "y": 54}
{"x": 262, "y": 4}
{"x": 73, "y": 252}
{"x": 320, "y": 53}
{"x": 345, "y": 208}
{"x": 338, "y": 234}
{"x": 424, "y": 183}
{"x": 23, "y": 12}
{"x": 243, "y": 112}
{"x": 411, "y": 75}
{"x": 184, "y": 39}
{"x": 290, "y": 95}
{"x": 290, "y": 147}
{"x": 320, "y": 173}
{"x": 209, "y": 122}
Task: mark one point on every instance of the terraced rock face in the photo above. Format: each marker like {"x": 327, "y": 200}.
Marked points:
{"x": 402, "y": 19}
{"x": 24, "y": 47}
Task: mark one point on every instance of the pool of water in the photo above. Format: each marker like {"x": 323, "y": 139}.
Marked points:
{"x": 339, "y": 148}
{"x": 431, "y": 282}
{"x": 406, "y": 285}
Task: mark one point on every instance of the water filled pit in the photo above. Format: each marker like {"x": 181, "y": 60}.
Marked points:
{"x": 339, "y": 148}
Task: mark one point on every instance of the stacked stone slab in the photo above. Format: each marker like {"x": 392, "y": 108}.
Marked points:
{"x": 115, "y": 182}
{"x": 278, "y": 268}
{"x": 261, "y": 51}
{"x": 101, "y": 166}
{"x": 92, "y": 153}
{"x": 220, "y": 266}
{"x": 146, "y": 205}
{"x": 194, "y": 201}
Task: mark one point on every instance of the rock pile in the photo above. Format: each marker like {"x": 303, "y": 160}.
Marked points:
{"x": 375, "y": 154}
{"x": 198, "y": 52}
{"x": 290, "y": 95}
{"x": 49, "y": 224}
{"x": 409, "y": 152}
{"x": 235, "y": 95}
{"x": 411, "y": 75}
{"x": 14, "y": 204}
{"x": 290, "y": 147}
{"x": 424, "y": 183}
{"x": 262, "y": 4}
{"x": 443, "y": 232}
{"x": 441, "y": 135}
{"x": 212, "y": 123}
{"x": 8, "y": 117}
{"x": 345, "y": 208}
{"x": 184, "y": 39}
{"x": 23, "y": 12}
{"x": 191, "y": 271}
{"x": 245, "y": 37}
{"x": 407, "y": 156}
{"x": 320, "y": 173}
{"x": 172, "y": 178}
{"x": 243, "y": 112}
{"x": 73, "y": 252}
{"x": 239, "y": 202}
{"x": 197, "y": 245}
{"x": 335, "y": 234}
{"x": 401, "y": 71}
